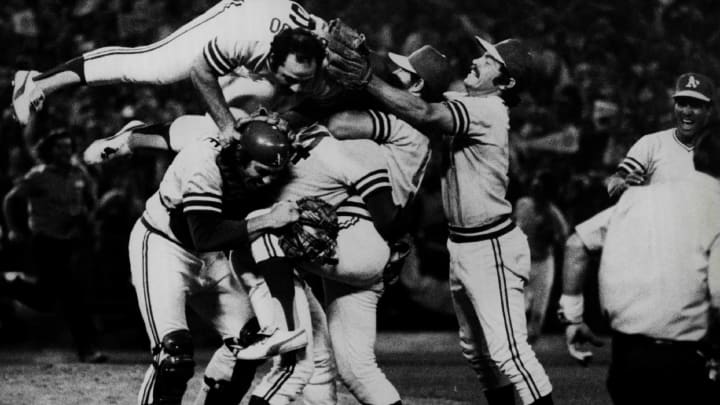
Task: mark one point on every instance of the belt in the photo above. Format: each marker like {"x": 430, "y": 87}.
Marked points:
{"x": 494, "y": 229}
{"x": 653, "y": 341}
{"x": 162, "y": 234}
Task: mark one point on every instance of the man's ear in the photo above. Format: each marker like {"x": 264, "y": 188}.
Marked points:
{"x": 509, "y": 85}
{"x": 418, "y": 85}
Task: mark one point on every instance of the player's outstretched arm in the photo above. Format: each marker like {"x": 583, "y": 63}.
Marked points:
{"x": 351, "y": 125}
{"x": 211, "y": 232}
{"x": 413, "y": 109}
{"x": 206, "y": 82}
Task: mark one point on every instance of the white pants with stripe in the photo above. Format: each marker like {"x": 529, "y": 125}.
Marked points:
{"x": 352, "y": 291}
{"x": 486, "y": 281}
{"x": 309, "y": 371}
{"x": 167, "y": 277}
{"x": 166, "y": 61}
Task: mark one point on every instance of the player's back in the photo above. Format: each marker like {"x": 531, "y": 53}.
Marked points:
{"x": 332, "y": 169}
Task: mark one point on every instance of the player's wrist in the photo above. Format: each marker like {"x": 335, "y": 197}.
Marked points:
{"x": 572, "y": 307}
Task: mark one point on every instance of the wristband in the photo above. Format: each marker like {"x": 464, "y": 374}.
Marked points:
{"x": 571, "y": 309}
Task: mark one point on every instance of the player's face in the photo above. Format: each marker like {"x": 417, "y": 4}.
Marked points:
{"x": 482, "y": 72}
{"x": 294, "y": 75}
{"x": 690, "y": 116}
{"x": 407, "y": 80}
{"x": 257, "y": 175}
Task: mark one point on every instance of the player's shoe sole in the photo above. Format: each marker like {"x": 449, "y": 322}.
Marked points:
{"x": 26, "y": 95}
{"x": 115, "y": 145}
{"x": 279, "y": 342}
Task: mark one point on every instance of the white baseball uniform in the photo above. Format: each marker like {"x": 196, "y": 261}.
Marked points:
{"x": 489, "y": 255}
{"x": 330, "y": 170}
{"x": 231, "y": 34}
{"x": 659, "y": 157}
{"x": 168, "y": 273}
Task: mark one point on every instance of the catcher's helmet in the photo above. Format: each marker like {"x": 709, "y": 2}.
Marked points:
{"x": 265, "y": 143}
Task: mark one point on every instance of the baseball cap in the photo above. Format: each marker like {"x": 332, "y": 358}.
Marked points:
{"x": 694, "y": 85}
{"x": 514, "y": 54}
{"x": 428, "y": 63}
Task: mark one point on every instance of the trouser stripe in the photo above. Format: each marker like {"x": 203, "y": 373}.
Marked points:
{"x": 148, "y": 388}
{"x": 507, "y": 318}
{"x": 146, "y": 291}
{"x": 279, "y": 383}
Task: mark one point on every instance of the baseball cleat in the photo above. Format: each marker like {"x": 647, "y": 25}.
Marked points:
{"x": 271, "y": 342}
{"x": 26, "y": 95}
{"x": 115, "y": 145}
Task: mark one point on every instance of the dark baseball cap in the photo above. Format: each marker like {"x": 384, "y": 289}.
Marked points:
{"x": 694, "y": 85}
{"x": 517, "y": 57}
{"x": 428, "y": 63}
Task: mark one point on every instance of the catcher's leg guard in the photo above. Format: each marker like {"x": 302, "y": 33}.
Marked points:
{"x": 174, "y": 367}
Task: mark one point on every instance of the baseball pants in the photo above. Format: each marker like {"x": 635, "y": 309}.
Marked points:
{"x": 166, "y": 61}
{"x": 166, "y": 278}
{"x": 487, "y": 278}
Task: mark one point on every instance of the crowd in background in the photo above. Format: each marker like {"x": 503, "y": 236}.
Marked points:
{"x": 608, "y": 68}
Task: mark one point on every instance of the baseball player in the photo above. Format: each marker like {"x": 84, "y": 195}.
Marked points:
{"x": 667, "y": 155}
{"x": 354, "y": 287}
{"x": 329, "y": 168}
{"x": 230, "y": 35}
{"x": 489, "y": 254}
{"x": 659, "y": 285}
{"x": 176, "y": 258}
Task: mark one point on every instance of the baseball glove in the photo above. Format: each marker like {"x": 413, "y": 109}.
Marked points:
{"x": 313, "y": 237}
{"x": 348, "y": 56}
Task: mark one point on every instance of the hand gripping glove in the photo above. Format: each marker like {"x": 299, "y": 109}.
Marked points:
{"x": 348, "y": 56}
{"x": 313, "y": 237}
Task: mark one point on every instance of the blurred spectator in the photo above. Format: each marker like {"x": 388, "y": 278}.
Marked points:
{"x": 546, "y": 228}
{"x": 57, "y": 198}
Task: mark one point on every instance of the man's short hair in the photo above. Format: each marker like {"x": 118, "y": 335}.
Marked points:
{"x": 301, "y": 42}
{"x": 706, "y": 155}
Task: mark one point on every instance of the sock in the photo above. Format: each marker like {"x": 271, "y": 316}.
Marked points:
{"x": 75, "y": 65}
{"x": 278, "y": 274}
{"x": 501, "y": 396}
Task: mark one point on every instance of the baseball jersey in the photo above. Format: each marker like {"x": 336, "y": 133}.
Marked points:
{"x": 333, "y": 169}
{"x": 192, "y": 182}
{"x": 476, "y": 178}
{"x": 655, "y": 274}
{"x": 659, "y": 157}
{"x": 244, "y": 35}
{"x": 406, "y": 151}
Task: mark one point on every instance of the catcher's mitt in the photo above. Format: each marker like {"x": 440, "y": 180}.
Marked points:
{"x": 348, "y": 56}
{"x": 313, "y": 237}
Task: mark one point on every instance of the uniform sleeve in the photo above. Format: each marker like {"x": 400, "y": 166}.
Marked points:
{"x": 638, "y": 157}
{"x": 201, "y": 184}
{"x": 478, "y": 116}
{"x": 592, "y": 232}
{"x": 714, "y": 273}
{"x": 389, "y": 129}
{"x": 360, "y": 167}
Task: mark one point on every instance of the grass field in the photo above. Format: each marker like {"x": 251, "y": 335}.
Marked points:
{"x": 427, "y": 369}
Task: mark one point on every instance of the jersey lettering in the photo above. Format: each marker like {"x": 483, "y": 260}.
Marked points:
{"x": 301, "y": 17}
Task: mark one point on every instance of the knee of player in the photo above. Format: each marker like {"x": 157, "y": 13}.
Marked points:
{"x": 175, "y": 366}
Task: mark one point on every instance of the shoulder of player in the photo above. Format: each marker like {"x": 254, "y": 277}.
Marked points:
{"x": 198, "y": 154}
{"x": 658, "y": 136}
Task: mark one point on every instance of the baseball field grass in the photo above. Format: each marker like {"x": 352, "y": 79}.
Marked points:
{"x": 426, "y": 367}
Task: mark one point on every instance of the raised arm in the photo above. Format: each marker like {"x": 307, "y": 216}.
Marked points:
{"x": 413, "y": 109}
{"x": 206, "y": 82}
